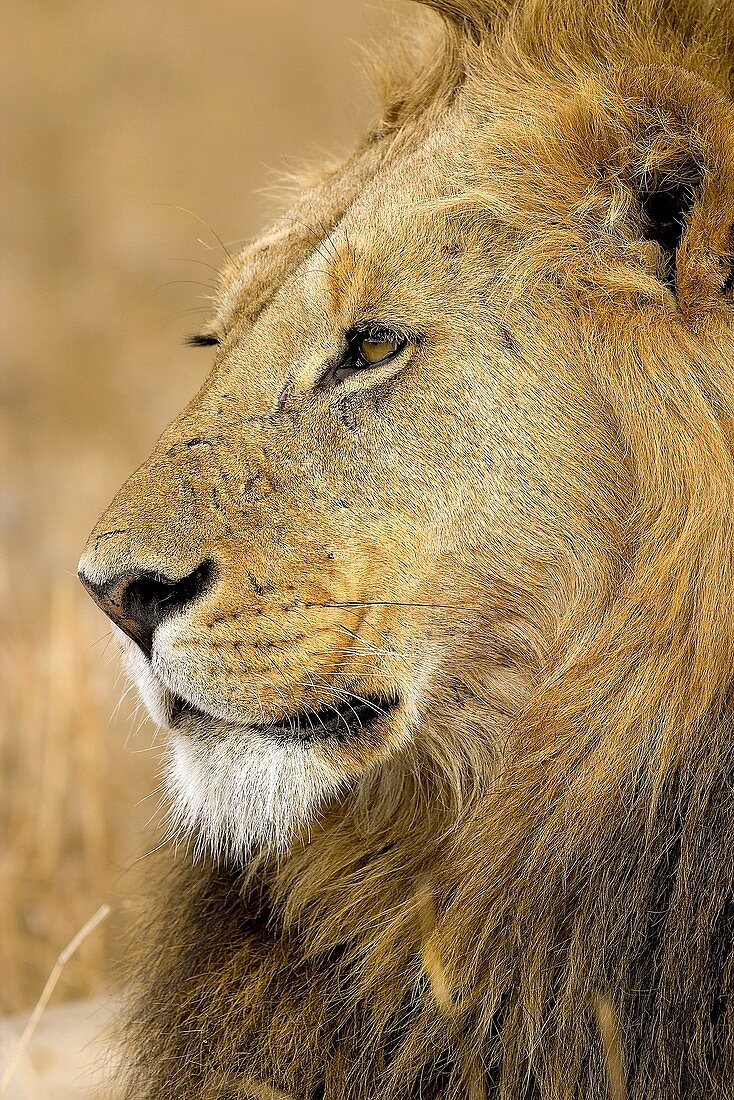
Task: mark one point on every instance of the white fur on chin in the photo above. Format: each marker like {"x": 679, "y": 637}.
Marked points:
{"x": 238, "y": 791}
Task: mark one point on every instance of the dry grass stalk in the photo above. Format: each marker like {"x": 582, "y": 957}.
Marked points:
{"x": 71, "y": 948}
{"x": 26, "y": 1078}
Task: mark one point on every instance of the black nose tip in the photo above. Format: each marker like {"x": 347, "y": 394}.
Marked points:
{"x": 139, "y": 602}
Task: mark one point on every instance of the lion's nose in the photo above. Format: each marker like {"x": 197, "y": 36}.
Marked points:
{"x": 139, "y": 602}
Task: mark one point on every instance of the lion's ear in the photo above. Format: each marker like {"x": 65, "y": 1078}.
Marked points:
{"x": 666, "y": 198}
{"x": 680, "y": 171}
{"x": 686, "y": 209}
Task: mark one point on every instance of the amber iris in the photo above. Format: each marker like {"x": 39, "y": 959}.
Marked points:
{"x": 375, "y": 351}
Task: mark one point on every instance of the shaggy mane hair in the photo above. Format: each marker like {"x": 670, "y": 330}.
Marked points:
{"x": 565, "y": 930}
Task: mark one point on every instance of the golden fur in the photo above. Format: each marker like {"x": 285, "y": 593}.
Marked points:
{"x": 525, "y": 528}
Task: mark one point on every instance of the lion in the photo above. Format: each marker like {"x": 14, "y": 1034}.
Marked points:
{"x": 431, "y": 586}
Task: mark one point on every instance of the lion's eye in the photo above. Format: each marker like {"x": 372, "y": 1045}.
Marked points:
{"x": 374, "y": 350}
{"x": 366, "y": 348}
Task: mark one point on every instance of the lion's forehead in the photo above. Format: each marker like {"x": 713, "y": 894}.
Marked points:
{"x": 362, "y": 244}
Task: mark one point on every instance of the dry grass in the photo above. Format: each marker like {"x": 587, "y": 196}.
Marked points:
{"x": 69, "y": 799}
{"x": 107, "y": 120}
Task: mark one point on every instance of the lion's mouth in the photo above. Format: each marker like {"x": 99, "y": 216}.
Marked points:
{"x": 340, "y": 720}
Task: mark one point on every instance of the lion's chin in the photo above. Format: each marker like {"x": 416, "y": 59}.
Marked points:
{"x": 234, "y": 795}
{"x": 238, "y": 788}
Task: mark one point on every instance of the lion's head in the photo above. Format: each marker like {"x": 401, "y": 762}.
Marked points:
{"x": 414, "y": 458}
{"x": 444, "y": 547}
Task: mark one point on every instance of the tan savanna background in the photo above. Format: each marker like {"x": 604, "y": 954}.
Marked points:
{"x": 134, "y": 135}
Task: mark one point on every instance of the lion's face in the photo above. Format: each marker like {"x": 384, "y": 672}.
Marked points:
{"x": 352, "y": 516}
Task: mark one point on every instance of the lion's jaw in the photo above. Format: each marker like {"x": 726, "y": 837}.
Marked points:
{"x": 234, "y": 787}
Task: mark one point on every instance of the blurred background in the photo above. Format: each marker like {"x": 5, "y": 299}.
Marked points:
{"x": 134, "y": 135}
